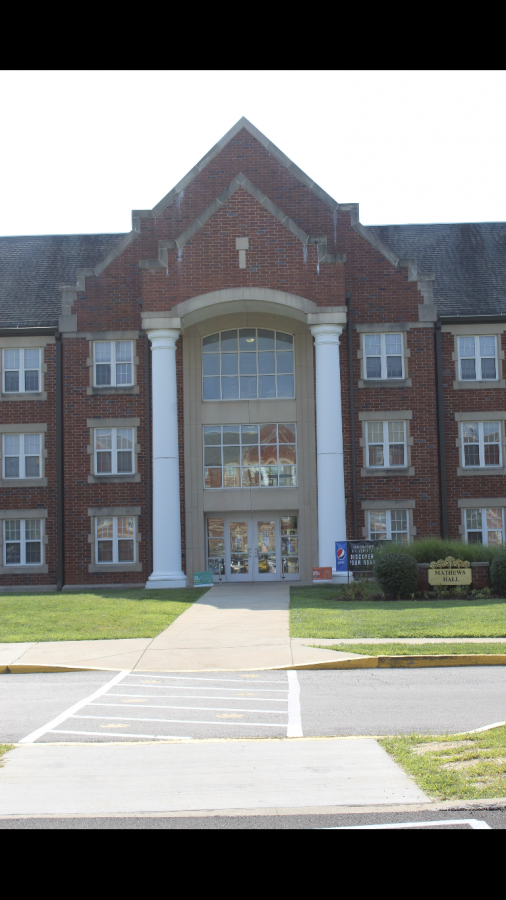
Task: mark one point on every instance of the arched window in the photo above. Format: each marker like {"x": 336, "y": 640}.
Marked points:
{"x": 248, "y": 363}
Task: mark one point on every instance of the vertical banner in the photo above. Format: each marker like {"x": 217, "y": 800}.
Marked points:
{"x": 341, "y": 556}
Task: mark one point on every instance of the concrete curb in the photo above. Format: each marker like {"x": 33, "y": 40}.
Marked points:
{"x": 362, "y": 662}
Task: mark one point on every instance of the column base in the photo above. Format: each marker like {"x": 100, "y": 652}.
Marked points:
{"x": 166, "y": 580}
{"x": 342, "y": 577}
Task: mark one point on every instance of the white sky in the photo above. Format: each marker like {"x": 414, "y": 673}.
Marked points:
{"x": 80, "y": 150}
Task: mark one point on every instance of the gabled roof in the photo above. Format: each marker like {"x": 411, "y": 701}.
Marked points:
{"x": 468, "y": 259}
{"x": 31, "y": 268}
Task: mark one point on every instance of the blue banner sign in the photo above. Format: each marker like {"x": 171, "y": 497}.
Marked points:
{"x": 200, "y": 578}
{"x": 341, "y": 556}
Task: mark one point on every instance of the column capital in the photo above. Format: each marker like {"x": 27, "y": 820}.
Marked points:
{"x": 163, "y": 338}
{"x": 326, "y": 334}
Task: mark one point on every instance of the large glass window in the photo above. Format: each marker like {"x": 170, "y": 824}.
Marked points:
{"x": 21, "y": 455}
{"x": 114, "y": 451}
{"x": 22, "y": 542}
{"x": 389, "y": 525}
{"x": 115, "y": 537}
{"x": 478, "y": 358}
{"x": 482, "y": 444}
{"x": 248, "y": 363}
{"x": 113, "y": 363}
{"x": 383, "y": 356}
{"x": 386, "y": 444}
{"x": 485, "y": 526}
{"x": 250, "y": 456}
{"x": 21, "y": 371}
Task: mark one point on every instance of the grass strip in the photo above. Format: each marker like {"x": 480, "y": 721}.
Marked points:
{"x": 313, "y": 612}
{"x": 92, "y": 615}
{"x": 414, "y": 649}
{"x": 449, "y": 767}
{"x": 3, "y": 749}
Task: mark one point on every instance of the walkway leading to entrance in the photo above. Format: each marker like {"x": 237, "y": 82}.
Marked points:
{"x": 233, "y": 626}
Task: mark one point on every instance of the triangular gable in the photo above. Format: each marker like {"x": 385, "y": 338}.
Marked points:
{"x": 241, "y": 181}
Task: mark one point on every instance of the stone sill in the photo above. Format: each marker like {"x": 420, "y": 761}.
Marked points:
{"x": 25, "y": 570}
{"x": 484, "y": 472}
{"x": 464, "y": 385}
{"x": 107, "y": 391}
{"x": 114, "y": 479}
{"x": 384, "y": 382}
{"x": 23, "y": 482}
{"x": 26, "y": 397}
{"x": 401, "y": 471}
{"x": 115, "y": 567}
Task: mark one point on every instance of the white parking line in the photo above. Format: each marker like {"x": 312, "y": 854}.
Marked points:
{"x": 191, "y": 678}
{"x": 197, "y": 697}
{"x": 30, "y": 738}
{"x": 270, "y": 712}
{"x": 183, "y": 687}
{"x": 186, "y": 721}
{"x": 158, "y": 737}
{"x": 294, "y": 728}
{"x": 473, "y": 823}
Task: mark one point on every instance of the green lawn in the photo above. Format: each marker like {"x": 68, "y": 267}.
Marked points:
{"x": 313, "y": 614}
{"x": 3, "y": 749}
{"x": 415, "y": 649}
{"x": 92, "y": 615}
{"x": 450, "y": 767}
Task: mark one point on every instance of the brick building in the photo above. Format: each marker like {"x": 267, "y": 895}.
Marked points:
{"x": 244, "y": 378}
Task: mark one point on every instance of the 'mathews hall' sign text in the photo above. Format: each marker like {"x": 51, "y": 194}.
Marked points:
{"x": 450, "y": 571}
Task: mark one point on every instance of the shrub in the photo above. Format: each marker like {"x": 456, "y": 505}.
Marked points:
{"x": 498, "y": 573}
{"x": 425, "y": 550}
{"x": 397, "y": 573}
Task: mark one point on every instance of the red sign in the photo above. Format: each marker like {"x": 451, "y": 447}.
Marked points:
{"x": 324, "y": 573}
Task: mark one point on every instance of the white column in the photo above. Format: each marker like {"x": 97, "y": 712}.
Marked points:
{"x": 329, "y": 436}
{"x": 167, "y": 571}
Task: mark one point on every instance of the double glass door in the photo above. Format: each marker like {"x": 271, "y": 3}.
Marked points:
{"x": 253, "y": 548}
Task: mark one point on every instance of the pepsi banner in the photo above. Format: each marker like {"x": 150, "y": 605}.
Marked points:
{"x": 341, "y": 556}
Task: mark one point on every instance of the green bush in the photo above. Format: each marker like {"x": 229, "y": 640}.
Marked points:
{"x": 397, "y": 573}
{"x": 425, "y": 550}
{"x": 498, "y": 573}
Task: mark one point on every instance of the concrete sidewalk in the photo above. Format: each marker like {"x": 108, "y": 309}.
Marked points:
{"x": 40, "y": 779}
{"x": 231, "y": 627}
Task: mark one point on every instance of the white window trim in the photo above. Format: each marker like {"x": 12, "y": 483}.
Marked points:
{"x": 22, "y": 456}
{"x": 258, "y": 486}
{"x": 484, "y": 530}
{"x": 481, "y": 446}
{"x": 21, "y": 370}
{"x": 23, "y": 563}
{"x": 114, "y": 451}
{"x": 115, "y": 561}
{"x": 113, "y": 363}
{"x": 385, "y": 443}
{"x": 477, "y": 357}
{"x": 247, "y": 399}
{"x": 389, "y": 522}
{"x": 383, "y": 356}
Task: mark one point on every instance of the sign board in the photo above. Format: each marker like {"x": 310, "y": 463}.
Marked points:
{"x": 324, "y": 573}
{"x": 341, "y": 556}
{"x": 200, "y": 578}
{"x": 450, "y": 571}
{"x": 360, "y": 555}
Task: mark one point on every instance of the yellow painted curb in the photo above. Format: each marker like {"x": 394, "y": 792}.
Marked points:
{"x": 24, "y": 670}
{"x": 408, "y": 662}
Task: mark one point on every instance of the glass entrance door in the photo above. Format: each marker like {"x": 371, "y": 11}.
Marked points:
{"x": 261, "y": 547}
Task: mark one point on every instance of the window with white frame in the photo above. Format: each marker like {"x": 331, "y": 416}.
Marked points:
{"x": 386, "y": 444}
{"x": 485, "y": 526}
{"x": 21, "y": 371}
{"x": 113, "y": 363}
{"x": 21, "y": 455}
{"x": 481, "y": 443}
{"x": 115, "y": 539}
{"x": 389, "y": 525}
{"x": 114, "y": 451}
{"x": 248, "y": 363}
{"x": 383, "y": 354}
{"x": 478, "y": 358}
{"x": 22, "y": 542}
{"x": 250, "y": 456}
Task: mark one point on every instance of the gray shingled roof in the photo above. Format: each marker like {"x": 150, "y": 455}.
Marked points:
{"x": 31, "y": 268}
{"x": 468, "y": 260}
